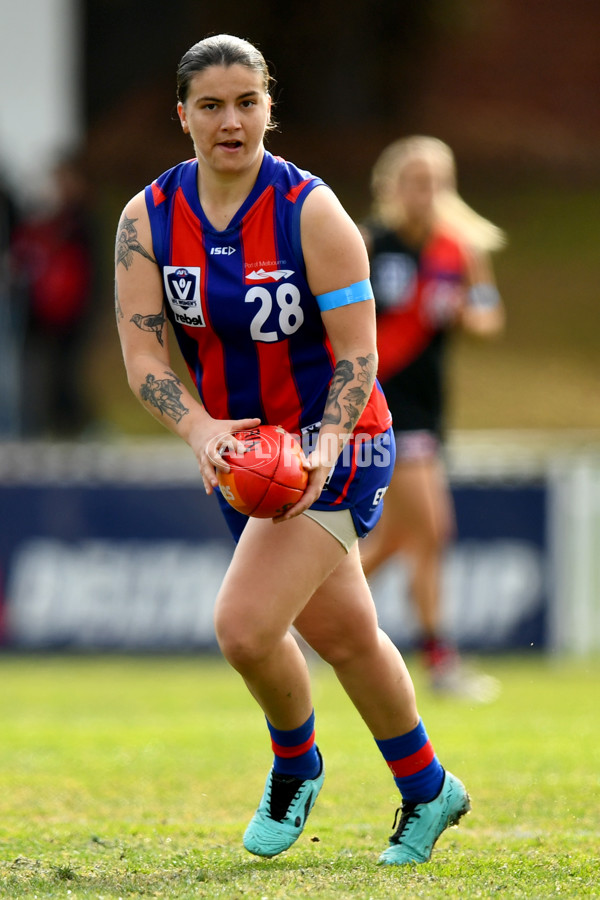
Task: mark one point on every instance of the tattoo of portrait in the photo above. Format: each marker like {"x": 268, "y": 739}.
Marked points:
{"x": 128, "y": 243}
{"x": 118, "y": 311}
{"x": 343, "y": 373}
{"x": 165, "y": 395}
{"x": 155, "y": 323}
{"x": 353, "y": 401}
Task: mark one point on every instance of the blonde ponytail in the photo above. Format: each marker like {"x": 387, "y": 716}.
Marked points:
{"x": 451, "y": 211}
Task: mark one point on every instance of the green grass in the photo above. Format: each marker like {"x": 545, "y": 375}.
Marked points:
{"x": 136, "y": 777}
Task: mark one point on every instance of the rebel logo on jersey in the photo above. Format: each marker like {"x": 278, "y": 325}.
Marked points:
{"x": 182, "y": 286}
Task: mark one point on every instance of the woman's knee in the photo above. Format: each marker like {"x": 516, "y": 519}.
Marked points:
{"x": 242, "y": 644}
{"x": 339, "y": 648}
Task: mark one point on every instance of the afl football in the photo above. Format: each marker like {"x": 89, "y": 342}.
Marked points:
{"x": 268, "y": 477}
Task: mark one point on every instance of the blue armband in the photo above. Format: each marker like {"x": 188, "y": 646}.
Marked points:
{"x": 483, "y": 296}
{"x": 355, "y": 293}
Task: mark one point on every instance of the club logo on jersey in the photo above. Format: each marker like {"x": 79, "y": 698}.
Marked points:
{"x": 394, "y": 278}
{"x": 273, "y": 275}
{"x": 182, "y": 285}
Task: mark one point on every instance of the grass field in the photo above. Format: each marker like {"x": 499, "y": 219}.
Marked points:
{"x": 135, "y": 777}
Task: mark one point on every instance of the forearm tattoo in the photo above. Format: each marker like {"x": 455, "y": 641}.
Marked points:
{"x": 128, "y": 243}
{"x": 165, "y": 395}
{"x": 155, "y": 323}
{"x": 345, "y": 408}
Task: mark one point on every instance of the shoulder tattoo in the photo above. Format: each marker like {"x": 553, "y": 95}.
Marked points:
{"x": 128, "y": 243}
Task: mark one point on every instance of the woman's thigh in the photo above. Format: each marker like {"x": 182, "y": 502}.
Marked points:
{"x": 419, "y": 501}
{"x": 340, "y": 618}
{"x": 274, "y": 572}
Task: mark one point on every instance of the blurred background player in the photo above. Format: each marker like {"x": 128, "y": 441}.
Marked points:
{"x": 54, "y": 266}
{"x": 431, "y": 274}
{"x": 10, "y": 320}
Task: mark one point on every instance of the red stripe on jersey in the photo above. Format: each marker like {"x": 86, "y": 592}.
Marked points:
{"x": 349, "y": 479}
{"x": 416, "y": 762}
{"x": 291, "y": 752}
{"x": 276, "y": 384}
{"x": 157, "y": 194}
{"x": 186, "y": 236}
{"x": 278, "y": 393}
{"x": 292, "y": 194}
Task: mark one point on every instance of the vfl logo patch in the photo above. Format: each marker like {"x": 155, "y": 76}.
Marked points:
{"x": 182, "y": 286}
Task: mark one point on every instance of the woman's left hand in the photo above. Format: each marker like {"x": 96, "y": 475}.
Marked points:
{"x": 318, "y": 472}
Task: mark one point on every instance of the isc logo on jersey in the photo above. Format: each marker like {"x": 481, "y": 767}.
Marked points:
{"x": 182, "y": 285}
{"x": 222, "y": 251}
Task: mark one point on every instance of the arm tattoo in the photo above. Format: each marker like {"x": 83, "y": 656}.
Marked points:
{"x": 344, "y": 372}
{"x": 118, "y": 311}
{"x": 355, "y": 397}
{"x": 155, "y": 323}
{"x": 128, "y": 244}
{"x": 367, "y": 372}
{"x": 164, "y": 394}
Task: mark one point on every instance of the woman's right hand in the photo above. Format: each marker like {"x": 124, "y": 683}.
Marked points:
{"x": 209, "y": 437}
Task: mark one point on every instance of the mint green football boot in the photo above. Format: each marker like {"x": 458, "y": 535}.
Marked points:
{"x": 282, "y": 813}
{"x": 422, "y": 823}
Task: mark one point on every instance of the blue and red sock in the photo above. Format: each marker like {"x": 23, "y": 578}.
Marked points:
{"x": 295, "y": 750}
{"x": 416, "y": 769}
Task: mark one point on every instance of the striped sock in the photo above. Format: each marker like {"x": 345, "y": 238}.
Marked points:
{"x": 295, "y": 751}
{"x": 416, "y": 769}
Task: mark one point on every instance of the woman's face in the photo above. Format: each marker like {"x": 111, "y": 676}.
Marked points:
{"x": 417, "y": 187}
{"x": 225, "y": 113}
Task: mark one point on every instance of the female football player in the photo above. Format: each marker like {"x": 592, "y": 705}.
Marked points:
{"x": 265, "y": 280}
{"x": 431, "y": 273}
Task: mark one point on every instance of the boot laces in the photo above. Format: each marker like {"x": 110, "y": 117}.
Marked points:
{"x": 284, "y": 789}
{"x": 409, "y": 813}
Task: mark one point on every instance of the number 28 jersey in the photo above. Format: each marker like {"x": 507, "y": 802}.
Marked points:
{"x": 246, "y": 322}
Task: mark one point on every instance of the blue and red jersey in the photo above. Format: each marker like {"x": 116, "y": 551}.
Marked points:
{"x": 248, "y": 326}
{"x": 250, "y": 329}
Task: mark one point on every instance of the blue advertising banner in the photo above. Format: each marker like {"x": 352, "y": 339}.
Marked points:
{"x": 110, "y": 565}
{"x": 506, "y": 525}
{"x": 136, "y": 566}
{"x": 495, "y": 584}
